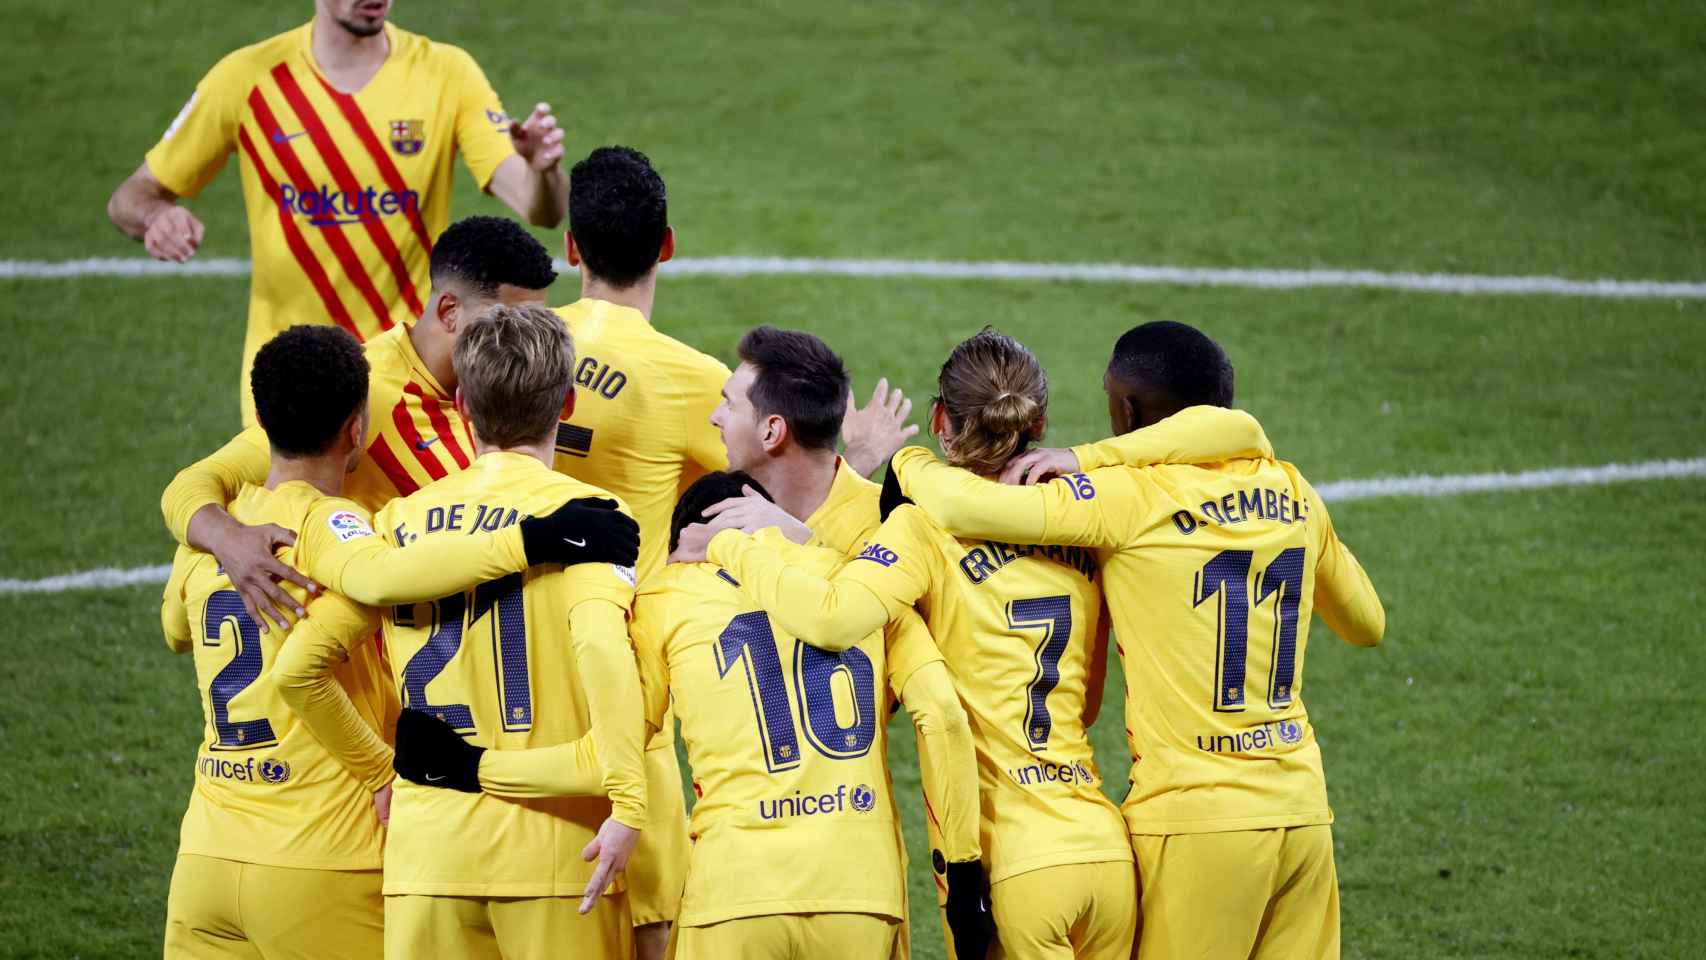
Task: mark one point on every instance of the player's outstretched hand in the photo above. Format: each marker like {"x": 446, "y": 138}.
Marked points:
{"x": 874, "y": 434}
{"x": 582, "y": 531}
{"x": 247, "y": 555}
{"x": 1044, "y": 463}
{"x": 969, "y": 917}
{"x": 173, "y": 234}
{"x": 431, "y": 753}
{"x": 751, "y": 512}
{"x": 611, "y": 848}
{"x": 538, "y": 138}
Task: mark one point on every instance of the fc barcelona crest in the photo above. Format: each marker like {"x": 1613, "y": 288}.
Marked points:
{"x": 407, "y": 136}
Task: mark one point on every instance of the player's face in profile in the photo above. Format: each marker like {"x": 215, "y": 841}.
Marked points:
{"x": 364, "y": 18}
{"x": 736, "y": 419}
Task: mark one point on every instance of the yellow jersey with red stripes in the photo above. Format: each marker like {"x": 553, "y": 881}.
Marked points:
{"x": 265, "y": 790}
{"x": 344, "y": 191}
{"x": 1212, "y": 572}
{"x": 641, "y": 426}
{"x": 414, "y": 436}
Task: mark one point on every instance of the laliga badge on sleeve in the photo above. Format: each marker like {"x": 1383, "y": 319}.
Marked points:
{"x": 347, "y": 526}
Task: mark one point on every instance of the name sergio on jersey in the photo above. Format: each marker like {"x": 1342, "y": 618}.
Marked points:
{"x": 859, "y": 799}
{"x": 327, "y": 207}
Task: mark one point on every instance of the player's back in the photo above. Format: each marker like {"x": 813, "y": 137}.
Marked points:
{"x": 265, "y": 790}
{"x": 496, "y": 663}
{"x": 641, "y": 422}
{"x": 1016, "y": 625}
{"x": 786, "y": 743}
{"x": 1213, "y": 592}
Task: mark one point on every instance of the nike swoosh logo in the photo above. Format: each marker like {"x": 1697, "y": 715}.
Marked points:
{"x": 574, "y": 543}
{"x": 282, "y": 137}
{"x": 423, "y": 444}
{"x": 432, "y": 779}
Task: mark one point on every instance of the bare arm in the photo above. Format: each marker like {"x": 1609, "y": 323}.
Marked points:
{"x": 143, "y": 209}
{"x": 532, "y": 182}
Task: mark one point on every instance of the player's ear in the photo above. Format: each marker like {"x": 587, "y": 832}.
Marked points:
{"x": 445, "y": 309}
{"x": 568, "y": 404}
{"x": 461, "y": 404}
{"x": 573, "y": 253}
{"x": 667, "y": 251}
{"x": 775, "y": 432}
{"x": 938, "y": 419}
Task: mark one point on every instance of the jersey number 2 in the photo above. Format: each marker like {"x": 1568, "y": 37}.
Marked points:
{"x": 453, "y": 617}
{"x": 226, "y": 607}
{"x": 748, "y": 639}
{"x": 1227, "y": 577}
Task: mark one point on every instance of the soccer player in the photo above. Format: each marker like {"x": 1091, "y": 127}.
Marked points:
{"x": 414, "y": 435}
{"x": 346, "y": 130}
{"x": 280, "y": 852}
{"x": 476, "y": 875}
{"x": 641, "y": 429}
{"x": 1211, "y": 572}
{"x": 796, "y": 853}
{"x": 1018, "y": 626}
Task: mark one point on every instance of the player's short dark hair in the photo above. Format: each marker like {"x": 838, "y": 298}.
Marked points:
{"x": 712, "y": 488}
{"x": 482, "y": 253}
{"x": 618, "y": 213}
{"x": 799, "y": 379}
{"x": 1177, "y": 359}
{"x": 307, "y": 381}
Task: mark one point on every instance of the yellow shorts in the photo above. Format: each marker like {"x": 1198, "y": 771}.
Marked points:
{"x": 501, "y": 928}
{"x": 657, "y": 872}
{"x": 790, "y": 936}
{"x": 1085, "y": 910}
{"x": 1245, "y": 894}
{"x": 225, "y": 908}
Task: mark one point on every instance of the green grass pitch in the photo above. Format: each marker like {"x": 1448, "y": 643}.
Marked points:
{"x": 1516, "y": 772}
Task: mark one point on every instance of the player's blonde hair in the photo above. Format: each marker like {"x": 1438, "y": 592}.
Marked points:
{"x": 995, "y": 395}
{"x": 515, "y": 366}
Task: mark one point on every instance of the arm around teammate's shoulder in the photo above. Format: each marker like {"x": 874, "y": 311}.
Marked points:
{"x": 1088, "y": 510}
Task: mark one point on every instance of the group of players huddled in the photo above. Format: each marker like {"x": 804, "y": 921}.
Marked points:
{"x": 449, "y": 598}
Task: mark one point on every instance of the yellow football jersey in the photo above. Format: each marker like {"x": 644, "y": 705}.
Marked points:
{"x": 545, "y": 651}
{"x": 849, "y": 515}
{"x": 1212, "y": 571}
{"x": 414, "y": 436}
{"x": 265, "y": 790}
{"x": 344, "y": 192}
{"x": 641, "y": 426}
{"x": 1016, "y": 625}
{"x": 787, "y": 745}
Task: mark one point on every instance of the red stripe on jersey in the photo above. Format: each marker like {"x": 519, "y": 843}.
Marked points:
{"x": 406, "y": 429}
{"x": 931, "y": 813}
{"x": 440, "y": 423}
{"x": 282, "y": 149}
{"x": 341, "y": 172}
{"x": 364, "y": 131}
{"x": 298, "y": 246}
{"x": 381, "y": 453}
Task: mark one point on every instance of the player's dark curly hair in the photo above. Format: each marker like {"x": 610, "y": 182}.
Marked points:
{"x": 799, "y": 379}
{"x": 483, "y": 252}
{"x": 618, "y": 213}
{"x": 709, "y": 489}
{"x": 1177, "y": 359}
{"x": 307, "y": 382}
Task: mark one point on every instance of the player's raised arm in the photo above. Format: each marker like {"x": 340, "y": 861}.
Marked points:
{"x": 334, "y": 630}
{"x": 870, "y": 436}
{"x": 1198, "y": 434}
{"x": 1344, "y": 596}
{"x": 1088, "y": 510}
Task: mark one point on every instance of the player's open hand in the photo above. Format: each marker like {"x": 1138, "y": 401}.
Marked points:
{"x": 247, "y": 554}
{"x": 873, "y": 433}
{"x": 1044, "y": 463}
{"x": 538, "y": 138}
{"x": 611, "y": 848}
{"x": 173, "y": 234}
{"x": 694, "y": 541}
{"x": 751, "y": 513}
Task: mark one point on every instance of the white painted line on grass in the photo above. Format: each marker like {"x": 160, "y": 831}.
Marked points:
{"x": 1120, "y": 273}
{"x": 1341, "y": 491}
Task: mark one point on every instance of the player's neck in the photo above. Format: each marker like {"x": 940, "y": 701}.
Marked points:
{"x": 636, "y": 297}
{"x": 435, "y": 347}
{"x": 545, "y": 451}
{"x": 348, "y": 61}
{"x": 325, "y": 474}
{"x": 799, "y": 480}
